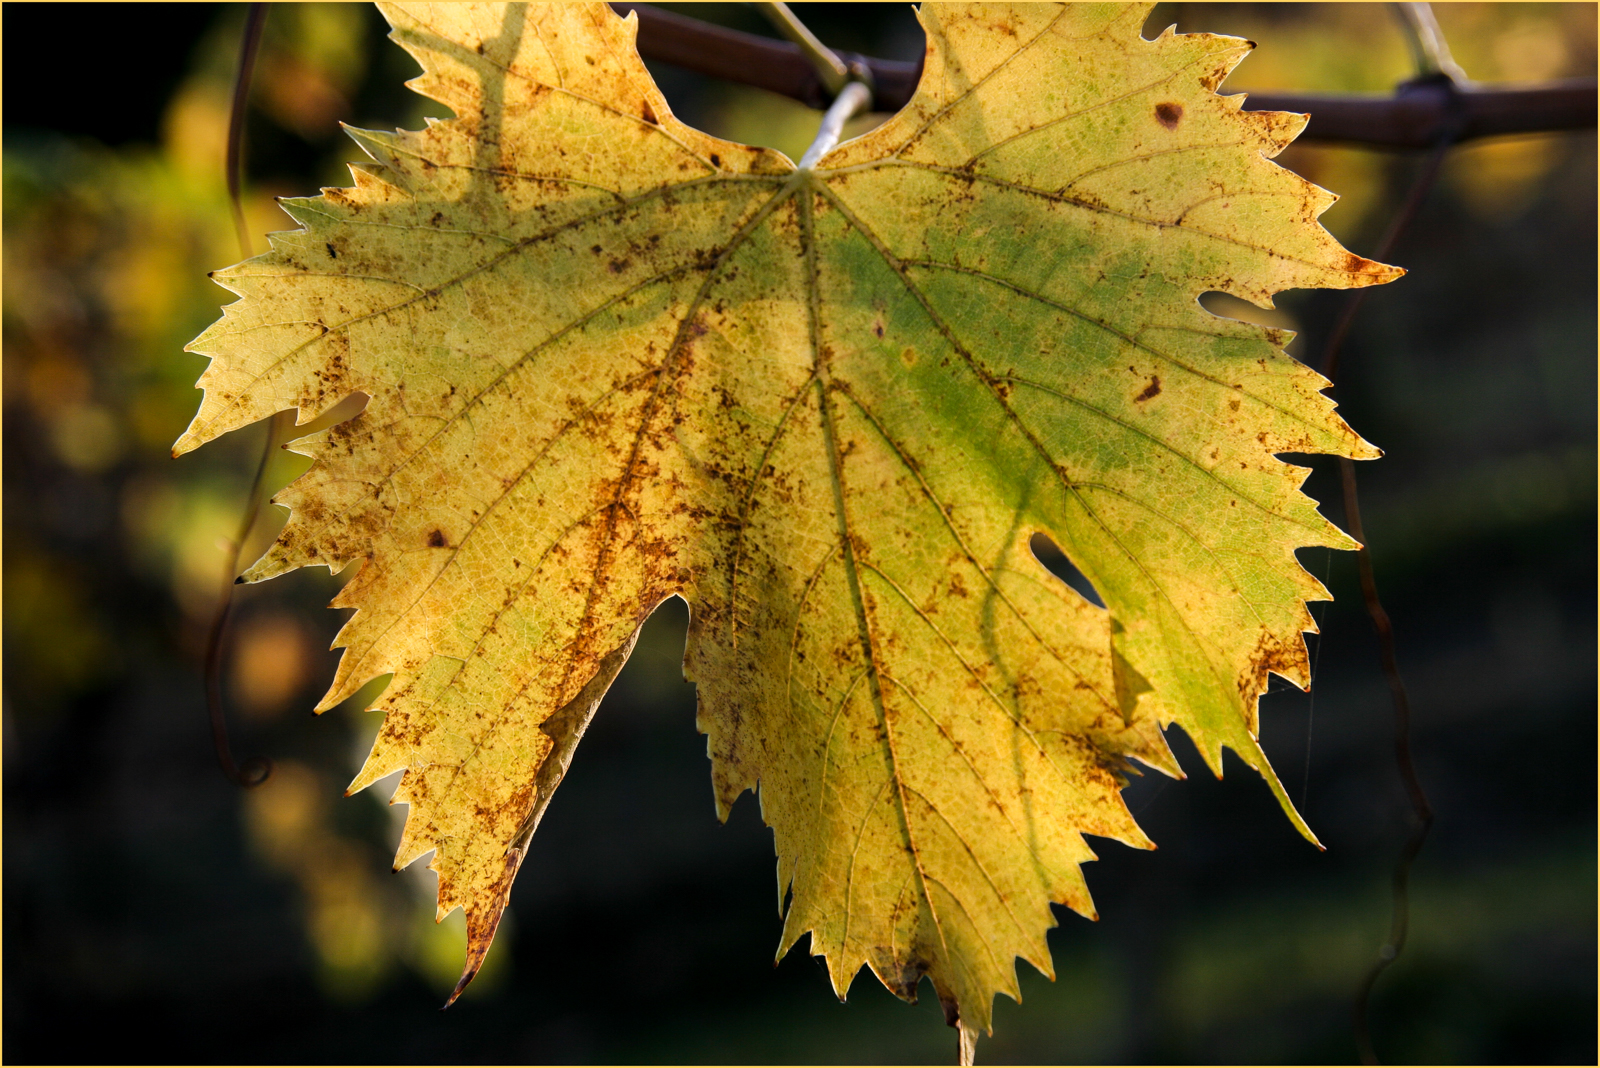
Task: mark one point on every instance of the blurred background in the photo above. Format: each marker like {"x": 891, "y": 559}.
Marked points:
{"x": 155, "y": 912}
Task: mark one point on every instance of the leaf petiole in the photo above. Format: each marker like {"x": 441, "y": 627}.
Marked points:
{"x": 851, "y": 101}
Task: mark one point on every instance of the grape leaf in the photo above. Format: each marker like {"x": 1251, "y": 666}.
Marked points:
{"x": 612, "y": 359}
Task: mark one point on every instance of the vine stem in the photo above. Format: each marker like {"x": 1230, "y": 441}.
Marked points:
{"x": 256, "y": 770}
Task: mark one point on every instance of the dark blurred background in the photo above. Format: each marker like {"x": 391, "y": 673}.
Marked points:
{"x": 154, "y": 912}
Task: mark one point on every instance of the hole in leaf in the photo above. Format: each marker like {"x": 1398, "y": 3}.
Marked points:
{"x": 1229, "y": 306}
{"x": 757, "y": 117}
{"x": 1050, "y": 555}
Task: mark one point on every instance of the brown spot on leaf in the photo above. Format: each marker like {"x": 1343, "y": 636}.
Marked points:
{"x": 1271, "y": 654}
{"x": 436, "y": 539}
{"x": 646, "y": 113}
{"x": 1168, "y": 114}
{"x": 1151, "y": 390}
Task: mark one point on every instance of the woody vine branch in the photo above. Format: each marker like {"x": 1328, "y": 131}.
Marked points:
{"x": 1414, "y": 116}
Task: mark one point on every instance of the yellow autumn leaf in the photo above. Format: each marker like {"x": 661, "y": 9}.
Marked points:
{"x": 612, "y": 359}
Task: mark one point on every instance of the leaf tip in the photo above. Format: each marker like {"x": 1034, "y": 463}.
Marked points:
{"x": 478, "y": 943}
{"x": 466, "y": 977}
{"x": 1276, "y": 786}
{"x": 1364, "y": 272}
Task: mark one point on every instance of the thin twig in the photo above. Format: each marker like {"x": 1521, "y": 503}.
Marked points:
{"x": 1430, "y": 52}
{"x": 256, "y": 770}
{"x": 1410, "y": 118}
{"x": 1419, "y": 190}
{"x": 248, "y": 48}
{"x": 1399, "y": 923}
{"x": 829, "y": 67}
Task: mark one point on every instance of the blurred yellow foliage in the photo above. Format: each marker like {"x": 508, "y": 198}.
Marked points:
{"x": 271, "y": 662}
{"x": 1497, "y": 180}
{"x": 311, "y": 62}
{"x": 354, "y": 920}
